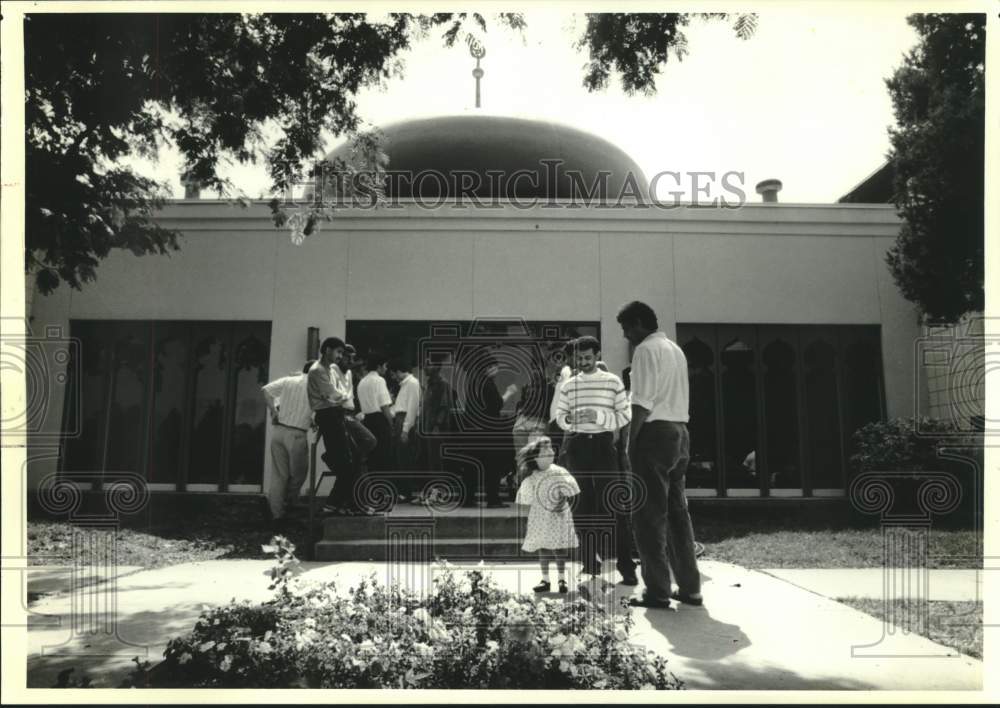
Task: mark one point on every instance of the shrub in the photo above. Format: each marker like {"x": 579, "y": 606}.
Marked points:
{"x": 468, "y": 633}
{"x": 895, "y": 446}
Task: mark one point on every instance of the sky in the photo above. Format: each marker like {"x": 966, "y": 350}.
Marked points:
{"x": 803, "y": 100}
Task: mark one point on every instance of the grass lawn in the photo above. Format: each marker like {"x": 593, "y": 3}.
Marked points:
{"x": 759, "y": 545}
{"x": 238, "y": 530}
{"x": 958, "y": 625}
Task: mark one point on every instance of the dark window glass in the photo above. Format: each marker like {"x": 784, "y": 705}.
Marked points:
{"x": 170, "y": 366}
{"x": 703, "y": 467}
{"x": 806, "y": 391}
{"x": 781, "y": 416}
{"x": 162, "y": 399}
{"x": 739, "y": 405}
{"x": 863, "y": 382}
{"x": 85, "y": 453}
{"x": 211, "y": 360}
{"x": 822, "y": 416}
{"x": 129, "y": 391}
{"x": 250, "y": 372}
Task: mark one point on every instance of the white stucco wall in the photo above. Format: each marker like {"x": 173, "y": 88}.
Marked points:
{"x": 790, "y": 264}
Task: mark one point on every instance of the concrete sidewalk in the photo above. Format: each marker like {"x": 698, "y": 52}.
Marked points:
{"x": 955, "y": 585}
{"x": 756, "y": 631}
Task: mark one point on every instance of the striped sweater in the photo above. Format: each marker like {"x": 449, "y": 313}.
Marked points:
{"x": 601, "y": 391}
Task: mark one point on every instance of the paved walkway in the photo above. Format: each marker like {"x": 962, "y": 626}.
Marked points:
{"x": 756, "y": 631}
{"x": 873, "y": 583}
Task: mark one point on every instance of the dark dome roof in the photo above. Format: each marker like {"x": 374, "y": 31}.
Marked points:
{"x": 453, "y": 145}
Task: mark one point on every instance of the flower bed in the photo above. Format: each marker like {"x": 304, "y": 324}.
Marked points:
{"x": 468, "y": 633}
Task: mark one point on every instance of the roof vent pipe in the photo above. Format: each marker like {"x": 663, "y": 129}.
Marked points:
{"x": 192, "y": 187}
{"x": 768, "y": 190}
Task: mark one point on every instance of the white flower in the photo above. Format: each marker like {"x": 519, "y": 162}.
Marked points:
{"x": 422, "y": 615}
{"x": 184, "y": 658}
{"x": 422, "y": 649}
{"x": 205, "y": 646}
{"x": 647, "y": 687}
{"x": 227, "y": 662}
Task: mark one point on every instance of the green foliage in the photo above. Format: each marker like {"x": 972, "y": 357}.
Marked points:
{"x": 938, "y": 95}
{"x": 895, "y": 445}
{"x": 636, "y": 46}
{"x": 468, "y": 633}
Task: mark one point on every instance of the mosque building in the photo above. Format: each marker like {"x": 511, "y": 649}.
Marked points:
{"x": 794, "y": 331}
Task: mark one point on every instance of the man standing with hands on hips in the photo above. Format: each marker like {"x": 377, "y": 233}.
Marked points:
{"x": 659, "y": 450}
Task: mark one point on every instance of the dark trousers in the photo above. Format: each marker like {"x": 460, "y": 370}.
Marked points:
{"x": 593, "y": 461}
{"x": 409, "y": 481}
{"x": 662, "y": 524}
{"x": 338, "y": 454}
{"x": 380, "y": 458}
{"x": 622, "y": 509}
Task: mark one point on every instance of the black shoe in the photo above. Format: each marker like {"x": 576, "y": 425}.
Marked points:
{"x": 687, "y": 599}
{"x": 631, "y": 580}
{"x": 544, "y": 586}
{"x": 643, "y": 602}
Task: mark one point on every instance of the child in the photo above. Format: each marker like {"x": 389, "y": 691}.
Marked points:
{"x": 550, "y": 524}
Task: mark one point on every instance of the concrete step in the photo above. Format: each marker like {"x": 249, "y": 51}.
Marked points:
{"x": 447, "y": 525}
{"x": 454, "y": 549}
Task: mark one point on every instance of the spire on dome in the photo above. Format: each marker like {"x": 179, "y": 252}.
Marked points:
{"x": 478, "y": 51}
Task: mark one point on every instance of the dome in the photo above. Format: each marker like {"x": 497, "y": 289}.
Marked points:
{"x": 436, "y": 158}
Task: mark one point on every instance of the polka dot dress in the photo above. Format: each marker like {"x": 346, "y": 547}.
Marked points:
{"x": 543, "y": 491}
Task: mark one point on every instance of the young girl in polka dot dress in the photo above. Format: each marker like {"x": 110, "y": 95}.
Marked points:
{"x": 547, "y": 492}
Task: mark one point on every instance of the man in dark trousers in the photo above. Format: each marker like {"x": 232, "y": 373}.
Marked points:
{"x": 376, "y": 407}
{"x": 593, "y": 407}
{"x": 327, "y": 401}
{"x": 659, "y": 448}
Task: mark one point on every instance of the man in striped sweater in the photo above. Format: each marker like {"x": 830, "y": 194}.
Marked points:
{"x": 593, "y": 406}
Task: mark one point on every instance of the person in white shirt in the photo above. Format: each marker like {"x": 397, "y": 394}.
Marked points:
{"x": 558, "y": 374}
{"x": 592, "y": 408}
{"x": 376, "y": 409}
{"x": 659, "y": 448}
{"x": 406, "y": 410}
{"x": 287, "y": 400}
{"x": 362, "y": 440}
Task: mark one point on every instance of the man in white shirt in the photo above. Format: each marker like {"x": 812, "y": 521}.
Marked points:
{"x": 406, "y": 410}
{"x": 592, "y": 408}
{"x": 659, "y": 448}
{"x": 287, "y": 400}
{"x": 362, "y": 440}
{"x": 376, "y": 409}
